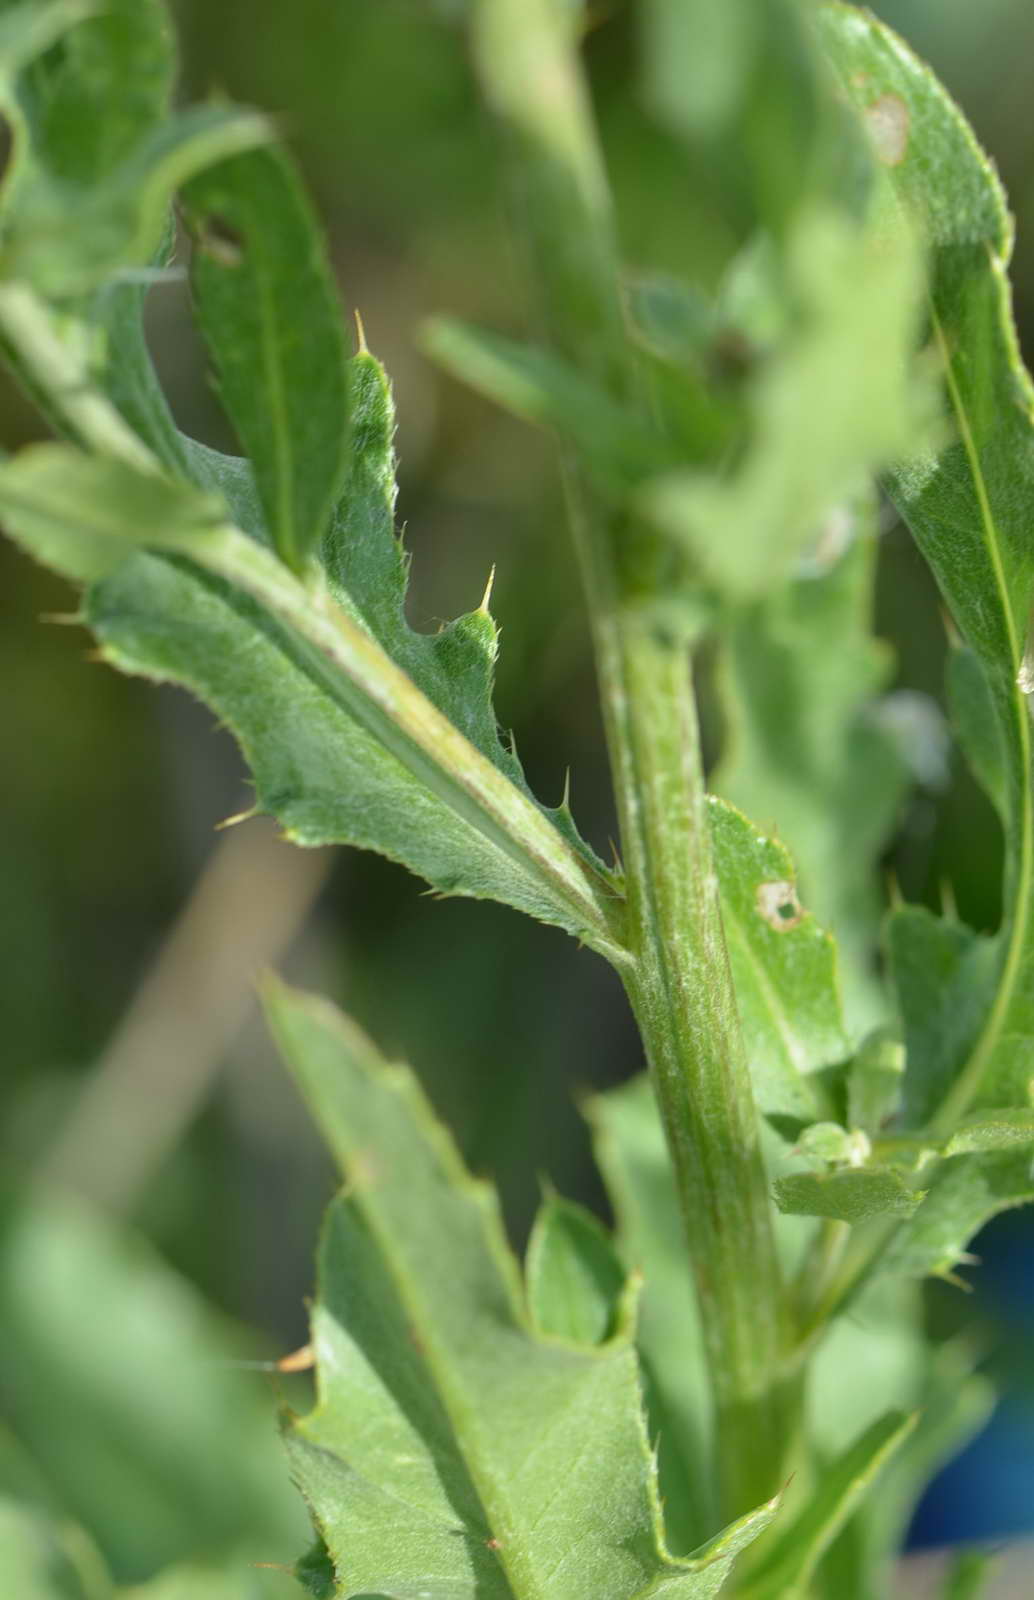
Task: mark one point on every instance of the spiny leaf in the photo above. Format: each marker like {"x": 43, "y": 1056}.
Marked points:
{"x": 631, "y": 1153}
{"x": 874, "y": 1080}
{"x": 964, "y": 1193}
{"x": 952, "y": 1404}
{"x": 945, "y": 976}
{"x": 574, "y": 1277}
{"x": 967, "y": 503}
{"x": 315, "y": 1572}
{"x": 265, "y": 302}
{"x": 121, "y": 367}
{"x": 96, "y": 156}
{"x": 344, "y": 746}
{"x": 786, "y": 1569}
{"x": 852, "y": 293}
{"x": 882, "y": 1344}
{"x": 804, "y": 756}
{"x": 976, "y": 724}
{"x": 367, "y": 569}
{"x": 91, "y": 101}
{"x": 784, "y": 969}
{"x": 993, "y": 1130}
{"x": 848, "y": 1194}
{"x": 485, "y": 1455}
{"x": 319, "y": 765}
{"x": 66, "y": 243}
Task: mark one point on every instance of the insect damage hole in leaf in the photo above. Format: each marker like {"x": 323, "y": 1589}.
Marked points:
{"x": 479, "y": 1430}
{"x": 778, "y": 904}
{"x": 217, "y": 237}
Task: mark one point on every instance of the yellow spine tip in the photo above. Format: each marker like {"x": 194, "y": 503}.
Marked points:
{"x": 302, "y": 1360}
{"x": 360, "y": 333}
{"x": 486, "y": 597}
{"x": 238, "y": 816}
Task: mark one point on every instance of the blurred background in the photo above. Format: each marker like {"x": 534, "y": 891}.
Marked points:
{"x": 135, "y": 1070}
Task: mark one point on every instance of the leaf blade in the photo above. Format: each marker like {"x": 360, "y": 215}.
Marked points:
{"x": 788, "y": 1566}
{"x": 784, "y": 969}
{"x": 965, "y": 500}
{"x": 549, "y": 1437}
{"x": 372, "y": 761}
{"x": 266, "y": 305}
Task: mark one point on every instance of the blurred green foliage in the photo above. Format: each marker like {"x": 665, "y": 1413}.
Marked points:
{"x": 507, "y": 1022}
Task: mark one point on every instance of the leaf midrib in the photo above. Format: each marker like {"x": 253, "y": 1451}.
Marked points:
{"x": 278, "y": 404}
{"x": 967, "y": 1084}
{"x": 234, "y": 557}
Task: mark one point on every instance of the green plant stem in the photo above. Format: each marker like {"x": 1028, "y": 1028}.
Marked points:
{"x": 679, "y": 985}
{"x": 681, "y": 991}
{"x": 60, "y": 376}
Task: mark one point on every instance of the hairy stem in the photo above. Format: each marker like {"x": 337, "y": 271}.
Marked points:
{"x": 681, "y": 992}
{"x": 680, "y": 985}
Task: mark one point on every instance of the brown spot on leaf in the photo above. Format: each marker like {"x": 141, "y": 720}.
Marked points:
{"x": 888, "y": 120}
{"x": 778, "y": 903}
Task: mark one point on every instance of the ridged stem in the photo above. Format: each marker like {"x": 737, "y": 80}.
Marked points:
{"x": 679, "y": 985}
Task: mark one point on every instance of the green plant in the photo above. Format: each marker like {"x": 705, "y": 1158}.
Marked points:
{"x": 482, "y": 1431}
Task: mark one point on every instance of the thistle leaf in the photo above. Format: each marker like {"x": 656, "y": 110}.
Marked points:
{"x": 632, "y": 1155}
{"x": 976, "y": 724}
{"x": 97, "y": 157}
{"x": 485, "y": 1455}
{"x": 874, "y": 1081}
{"x": 945, "y": 977}
{"x": 84, "y": 109}
{"x": 265, "y": 302}
{"x": 848, "y": 1194}
{"x": 68, "y": 241}
{"x": 993, "y": 1130}
{"x": 344, "y": 746}
{"x": 952, "y": 1403}
{"x": 574, "y": 1277}
{"x": 967, "y": 500}
{"x": 804, "y": 755}
{"x": 854, "y": 294}
{"x": 788, "y": 1565}
{"x": 784, "y": 970}
{"x": 963, "y": 1194}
